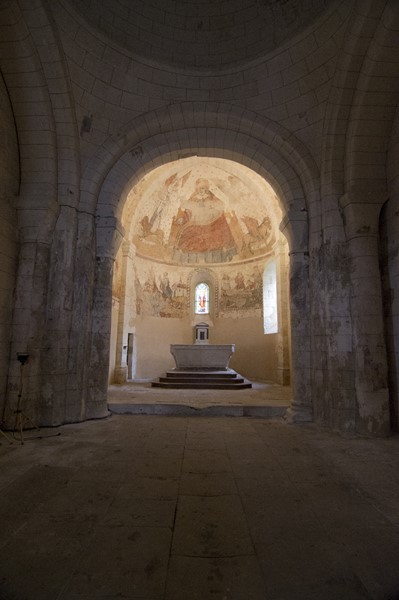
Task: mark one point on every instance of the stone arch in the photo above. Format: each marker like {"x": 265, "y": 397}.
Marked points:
{"x": 36, "y": 206}
{"x": 368, "y": 135}
{"x": 9, "y": 168}
{"x": 219, "y": 131}
{"x": 336, "y": 405}
{"x": 359, "y": 118}
{"x": 226, "y": 127}
{"x": 389, "y": 252}
{"x": 374, "y": 108}
{"x": 33, "y": 68}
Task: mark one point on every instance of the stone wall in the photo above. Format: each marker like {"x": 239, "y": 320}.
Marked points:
{"x": 313, "y": 115}
{"x": 9, "y": 182}
{"x": 389, "y": 253}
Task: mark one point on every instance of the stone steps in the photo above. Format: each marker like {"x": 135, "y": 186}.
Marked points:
{"x": 206, "y": 380}
{"x": 210, "y": 374}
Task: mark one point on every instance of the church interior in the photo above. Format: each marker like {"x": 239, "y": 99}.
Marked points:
{"x": 231, "y": 166}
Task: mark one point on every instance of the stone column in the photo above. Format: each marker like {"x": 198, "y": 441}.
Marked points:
{"x": 109, "y": 236}
{"x": 295, "y": 227}
{"x": 57, "y": 352}
{"x": 36, "y": 226}
{"x": 121, "y": 368}
{"x": 361, "y": 216}
{"x": 283, "y": 341}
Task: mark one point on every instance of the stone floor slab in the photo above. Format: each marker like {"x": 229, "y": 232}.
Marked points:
{"x": 237, "y": 578}
{"x": 156, "y": 508}
{"x": 129, "y": 561}
{"x": 211, "y": 527}
{"x": 207, "y": 484}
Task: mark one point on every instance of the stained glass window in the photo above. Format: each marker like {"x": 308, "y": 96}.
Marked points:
{"x": 202, "y": 299}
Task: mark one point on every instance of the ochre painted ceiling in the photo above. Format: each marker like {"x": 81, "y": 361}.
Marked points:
{"x": 202, "y": 210}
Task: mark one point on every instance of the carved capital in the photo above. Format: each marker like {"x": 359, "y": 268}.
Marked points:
{"x": 295, "y": 228}
{"x": 361, "y": 210}
{"x": 109, "y": 235}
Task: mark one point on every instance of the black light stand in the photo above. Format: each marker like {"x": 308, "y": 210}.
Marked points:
{"x": 6, "y": 436}
{"x": 20, "y": 417}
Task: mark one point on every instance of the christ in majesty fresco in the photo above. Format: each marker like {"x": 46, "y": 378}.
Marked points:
{"x": 204, "y": 227}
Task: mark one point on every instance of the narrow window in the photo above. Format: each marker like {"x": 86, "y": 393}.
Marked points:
{"x": 202, "y": 299}
{"x": 270, "y": 321}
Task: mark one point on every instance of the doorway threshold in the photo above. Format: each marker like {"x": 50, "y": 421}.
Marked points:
{"x": 264, "y": 400}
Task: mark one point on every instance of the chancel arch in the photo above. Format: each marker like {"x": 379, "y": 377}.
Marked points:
{"x": 317, "y": 123}
{"x": 160, "y": 137}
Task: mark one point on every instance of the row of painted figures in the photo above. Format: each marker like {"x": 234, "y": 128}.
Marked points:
{"x": 159, "y": 297}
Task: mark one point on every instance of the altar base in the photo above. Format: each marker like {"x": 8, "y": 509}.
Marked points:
{"x": 202, "y": 356}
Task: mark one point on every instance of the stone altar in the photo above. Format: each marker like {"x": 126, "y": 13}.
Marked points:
{"x": 206, "y": 356}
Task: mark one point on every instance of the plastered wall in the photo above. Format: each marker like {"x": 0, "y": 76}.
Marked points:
{"x": 163, "y": 314}
{"x": 254, "y": 357}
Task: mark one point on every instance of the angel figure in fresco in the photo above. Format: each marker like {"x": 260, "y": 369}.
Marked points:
{"x": 148, "y": 234}
{"x": 152, "y": 226}
{"x": 262, "y": 231}
{"x": 205, "y": 227}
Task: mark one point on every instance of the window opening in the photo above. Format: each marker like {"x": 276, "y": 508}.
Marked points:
{"x": 270, "y": 315}
{"x": 202, "y": 299}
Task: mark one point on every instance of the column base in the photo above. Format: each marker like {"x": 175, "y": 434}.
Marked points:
{"x": 373, "y": 413}
{"x": 120, "y": 375}
{"x": 299, "y": 413}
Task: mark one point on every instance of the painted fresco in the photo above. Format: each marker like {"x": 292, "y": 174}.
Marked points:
{"x": 201, "y": 227}
{"x": 241, "y": 291}
{"x": 159, "y": 295}
{"x": 166, "y": 294}
{"x": 191, "y": 219}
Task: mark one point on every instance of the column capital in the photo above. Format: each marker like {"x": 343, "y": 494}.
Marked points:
{"x": 128, "y": 249}
{"x": 295, "y": 228}
{"x": 361, "y": 210}
{"x": 361, "y": 196}
{"x": 109, "y": 235}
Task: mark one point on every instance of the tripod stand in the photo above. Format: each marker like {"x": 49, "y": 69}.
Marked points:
{"x": 6, "y": 436}
{"x": 20, "y": 417}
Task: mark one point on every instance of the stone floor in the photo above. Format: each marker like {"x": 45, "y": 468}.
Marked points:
{"x": 188, "y": 508}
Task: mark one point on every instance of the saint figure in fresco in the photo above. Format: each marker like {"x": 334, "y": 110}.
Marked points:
{"x": 204, "y": 224}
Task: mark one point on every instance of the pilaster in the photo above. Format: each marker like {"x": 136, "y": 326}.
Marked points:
{"x": 361, "y": 211}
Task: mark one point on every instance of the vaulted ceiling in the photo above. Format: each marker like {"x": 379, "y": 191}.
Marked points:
{"x": 201, "y": 34}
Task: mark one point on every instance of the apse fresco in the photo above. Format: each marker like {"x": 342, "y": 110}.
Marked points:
{"x": 241, "y": 292}
{"x": 159, "y": 294}
{"x": 190, "y": 219}
{"x": 199, "y": 215}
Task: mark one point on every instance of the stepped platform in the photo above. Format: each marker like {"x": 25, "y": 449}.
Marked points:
{"x": 198, "y": 379}
{"x": 264, "y": 400}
